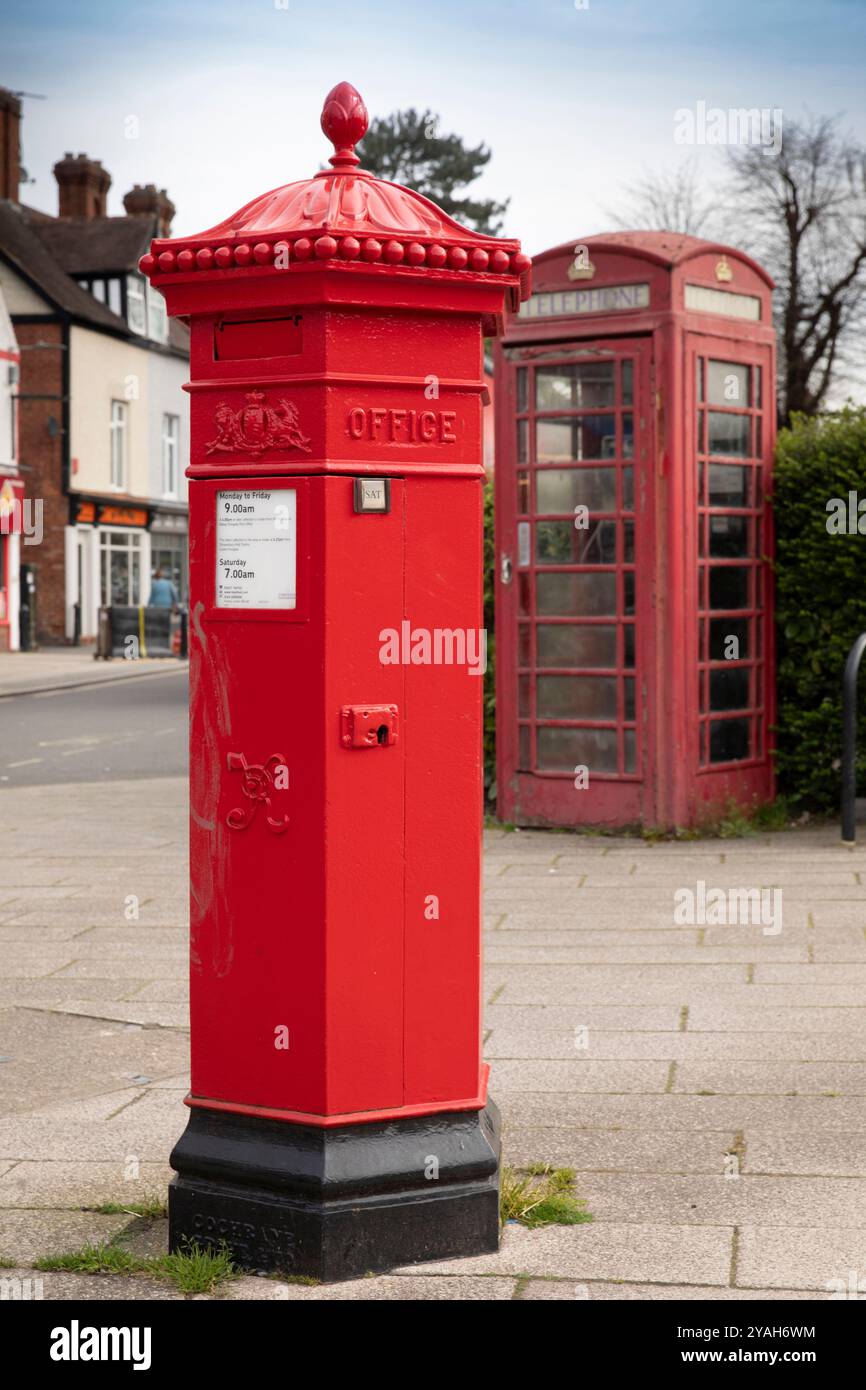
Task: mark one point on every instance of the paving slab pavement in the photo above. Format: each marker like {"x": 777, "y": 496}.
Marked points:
{"x": 707, "y": 1082}
{"x": 62, "y": 668}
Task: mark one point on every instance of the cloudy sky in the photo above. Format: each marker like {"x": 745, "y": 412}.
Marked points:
{"x": 577, "y": 98}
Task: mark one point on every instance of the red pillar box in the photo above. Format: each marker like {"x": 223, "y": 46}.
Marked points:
{"x": 635, "y": 429}
{"x": 339, "y": 1120}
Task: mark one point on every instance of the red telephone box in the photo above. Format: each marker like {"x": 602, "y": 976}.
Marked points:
{"x": 634, "y": 442}
{"x": 339, "y": 1117}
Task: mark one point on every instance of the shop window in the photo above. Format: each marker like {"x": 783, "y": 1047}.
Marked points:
{"x": 169, "y": 554}
{"x": 120, "y": 567}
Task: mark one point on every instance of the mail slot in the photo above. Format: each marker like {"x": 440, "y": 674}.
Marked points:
{"x": 251, "y": 338}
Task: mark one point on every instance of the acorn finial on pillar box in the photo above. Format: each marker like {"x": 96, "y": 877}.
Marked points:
{"x": 344, "y": 121}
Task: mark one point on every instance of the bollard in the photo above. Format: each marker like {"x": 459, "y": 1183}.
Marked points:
{"x": 849, "y": 741}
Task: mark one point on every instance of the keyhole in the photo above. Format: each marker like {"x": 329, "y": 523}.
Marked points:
{"x": 382, "y": 735}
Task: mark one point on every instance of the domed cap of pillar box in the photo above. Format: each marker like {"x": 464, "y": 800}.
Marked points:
{"x": 342, "y": 215}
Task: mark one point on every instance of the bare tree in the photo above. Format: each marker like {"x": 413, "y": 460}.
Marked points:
{"x": 803, "y": 212}
{"x": 669, "y": 202}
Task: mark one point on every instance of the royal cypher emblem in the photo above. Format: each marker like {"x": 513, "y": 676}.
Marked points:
{"x": 257, "y": 427}
{"x": 257, "y": 785}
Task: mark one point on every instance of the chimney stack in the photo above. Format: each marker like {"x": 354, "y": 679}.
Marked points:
{"x": 154, "y": 200}
{"x": 83, "y": 186}
{"x": 10, "y": 145}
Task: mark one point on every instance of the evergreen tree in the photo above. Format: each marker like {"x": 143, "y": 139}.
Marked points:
{"x": 406, "y": 147}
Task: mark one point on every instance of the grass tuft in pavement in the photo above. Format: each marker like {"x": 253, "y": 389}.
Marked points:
{"x": 191, "y": 1270}
{"x": 541, "y": 1195}
{"x": 92, "y": 1259}
{"x": 194, "y": 1270}
{"x": 152, "y": 1208}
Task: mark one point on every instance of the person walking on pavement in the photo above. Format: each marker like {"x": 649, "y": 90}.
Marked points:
{"x": 163, "y": 592}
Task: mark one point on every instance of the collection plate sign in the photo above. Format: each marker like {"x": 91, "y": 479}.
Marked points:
{"x": 256, "y": 548}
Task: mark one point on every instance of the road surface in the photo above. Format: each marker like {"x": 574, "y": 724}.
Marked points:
{"x": 99, "y": 733}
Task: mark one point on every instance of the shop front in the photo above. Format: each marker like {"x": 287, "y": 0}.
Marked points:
{"x": 113, "y": 553}
{"x": 169, "y": 549}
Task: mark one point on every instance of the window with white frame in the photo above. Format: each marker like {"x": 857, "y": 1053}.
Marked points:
{"x": 120, "y": 568}
{"x": 118, "y": 444}
{"x": 136, "y": 313}
{"x": 170, "y": 454}
{"x": 157, "y": 319}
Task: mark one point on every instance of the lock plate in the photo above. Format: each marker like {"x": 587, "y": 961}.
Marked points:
{"x": 368, "y": 726}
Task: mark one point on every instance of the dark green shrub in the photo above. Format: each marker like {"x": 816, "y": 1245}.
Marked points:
{"x": 820, "y": 598}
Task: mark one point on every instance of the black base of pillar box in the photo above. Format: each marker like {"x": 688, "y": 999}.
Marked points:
{"x": 337, "y": 1203}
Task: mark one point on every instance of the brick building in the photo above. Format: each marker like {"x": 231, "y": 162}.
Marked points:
{"x": 103, "y": 421}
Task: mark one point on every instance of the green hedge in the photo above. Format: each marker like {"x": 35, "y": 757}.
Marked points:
{"x": 820, "y": 600}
